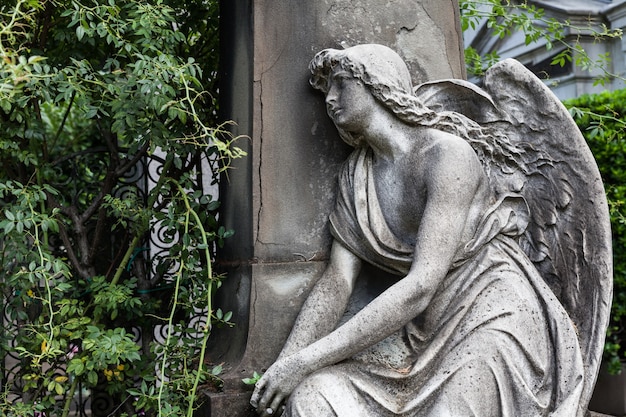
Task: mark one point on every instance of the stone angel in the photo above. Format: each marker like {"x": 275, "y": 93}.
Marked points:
{"x": 487, "y": 207}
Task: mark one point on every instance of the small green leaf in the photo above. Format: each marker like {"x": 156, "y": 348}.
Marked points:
{"x": 92, "y": 377}
{"x": 253, "y": 380}
{"x": 228, "y": 316}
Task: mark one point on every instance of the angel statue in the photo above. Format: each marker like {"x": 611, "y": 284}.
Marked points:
{"x": 486, "y": 206}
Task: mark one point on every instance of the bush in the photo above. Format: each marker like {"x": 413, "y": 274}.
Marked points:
{"x": 90, "y": 92}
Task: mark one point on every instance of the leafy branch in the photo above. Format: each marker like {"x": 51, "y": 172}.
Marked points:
{"x": 504, "y": 17}
{"x": 90, "y": 92}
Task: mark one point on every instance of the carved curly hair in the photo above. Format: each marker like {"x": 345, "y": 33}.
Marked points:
{"x": 387, "y": 77}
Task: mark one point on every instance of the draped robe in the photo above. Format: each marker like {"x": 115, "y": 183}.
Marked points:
{"x": 494, "y": 341}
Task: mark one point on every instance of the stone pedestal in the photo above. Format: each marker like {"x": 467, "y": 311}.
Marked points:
{"x": 609, "y": 396}
{"x": 278, "y": 198}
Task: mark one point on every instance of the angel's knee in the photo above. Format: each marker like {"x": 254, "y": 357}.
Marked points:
{"x": 323, "y": 394}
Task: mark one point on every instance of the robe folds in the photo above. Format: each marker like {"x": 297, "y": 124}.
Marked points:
{"x": 494, "y": 341}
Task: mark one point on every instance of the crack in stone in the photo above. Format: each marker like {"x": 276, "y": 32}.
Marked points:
{"x": 260, "y": 171}
{"x": 407, "y": 29}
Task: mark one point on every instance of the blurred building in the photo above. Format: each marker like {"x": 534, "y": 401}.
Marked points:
{"x": 568, "y": 81}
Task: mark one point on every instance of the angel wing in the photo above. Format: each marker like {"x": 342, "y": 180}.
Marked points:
{"x": 568, "y": 238}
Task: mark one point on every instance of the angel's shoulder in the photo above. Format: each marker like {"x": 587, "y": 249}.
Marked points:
{"x": 450, "y": 165}
{"x": 449, "y": 152}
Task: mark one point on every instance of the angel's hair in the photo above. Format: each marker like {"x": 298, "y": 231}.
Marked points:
{"x": 388, "y": 79}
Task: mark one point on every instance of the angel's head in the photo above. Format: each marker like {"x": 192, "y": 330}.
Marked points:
{"x": 376, "y": 66}
{"x": 383, "y": 73}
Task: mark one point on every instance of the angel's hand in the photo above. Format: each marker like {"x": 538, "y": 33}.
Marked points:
{"x": 276, "y": 384}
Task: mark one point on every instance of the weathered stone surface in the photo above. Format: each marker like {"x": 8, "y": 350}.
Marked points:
{"x": 227, "y": 404}
{"x": 495, "y": 308}
{"x": 297, "y": 157}
{"x": 278, "y": 198}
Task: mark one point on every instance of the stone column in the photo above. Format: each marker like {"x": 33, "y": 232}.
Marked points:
{"x": 278, "y": 198}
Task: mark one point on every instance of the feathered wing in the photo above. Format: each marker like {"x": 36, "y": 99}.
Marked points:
{"x": 569, "y": 235}
{"x": 568, "y": 238}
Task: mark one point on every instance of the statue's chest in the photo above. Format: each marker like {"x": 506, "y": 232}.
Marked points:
{"x": 401, "y": 198}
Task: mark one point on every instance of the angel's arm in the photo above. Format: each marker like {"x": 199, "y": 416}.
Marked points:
{"x": 319, "y": 315}
{"x": 453, "y": 178}
{"x": 327, "y": 302}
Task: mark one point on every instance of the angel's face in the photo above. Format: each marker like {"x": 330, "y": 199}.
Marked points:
{"x": 348, "y": 102}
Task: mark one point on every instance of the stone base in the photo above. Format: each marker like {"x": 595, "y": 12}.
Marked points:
{"x": 609, "y": 396}
{"x": 237, "y": 404}
{"x": 227, "y": 404}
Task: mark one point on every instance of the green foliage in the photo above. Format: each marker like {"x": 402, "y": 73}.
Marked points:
{"x": 602, "y": 119}
{"x": 253, "y": 379}
{"x": 505, "y": 17}
{"x": 89, "y": 90}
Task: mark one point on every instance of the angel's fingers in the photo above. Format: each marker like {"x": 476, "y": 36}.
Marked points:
{"x": 274, "y": 410}
{"x": 265, "y": 400}
{"x": 254, "y": 400}
{"x": 270, "y": 397}
{"x": 259, "y": 389}
{"x": 276, "y": 405}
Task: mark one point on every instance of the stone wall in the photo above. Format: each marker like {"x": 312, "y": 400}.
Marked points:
{"x": 278, "y": 198}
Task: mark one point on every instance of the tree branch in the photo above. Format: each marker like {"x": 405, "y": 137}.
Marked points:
{"x": 121, "y": 170}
